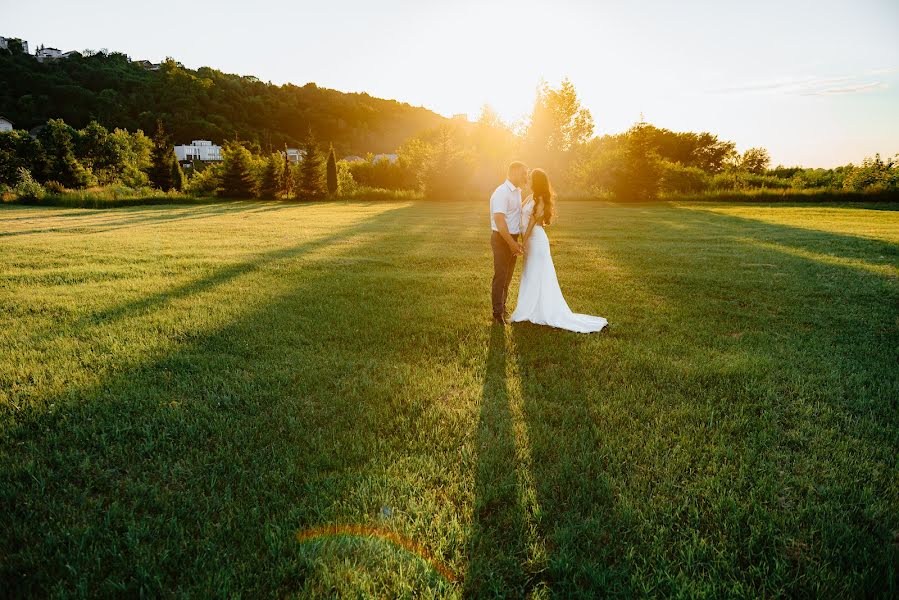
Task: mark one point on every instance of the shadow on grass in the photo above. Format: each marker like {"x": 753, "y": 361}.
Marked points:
{"x": 498, "y": 547}
{"x": 218, "y": 277}
{"x": 578, "y": 520}
{"x": 811, "y": 240}
{"x": 193, "y": 473}
{"x": 127, "y": 218}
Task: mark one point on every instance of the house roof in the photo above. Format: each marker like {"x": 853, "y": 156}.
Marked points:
{"x": 2, "y": 118}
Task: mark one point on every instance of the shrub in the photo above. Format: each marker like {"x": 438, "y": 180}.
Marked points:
{"x": 384, "y": 174}
{"x": 205, "y": 182}
{"x": 680, "y": 179}
{"x": 54, "y": 187}
{"x": 346, "y": 183}
{"x": 874, "y": 174}
{"x": 368, "y": 193}
{"x": 27, "y": 188}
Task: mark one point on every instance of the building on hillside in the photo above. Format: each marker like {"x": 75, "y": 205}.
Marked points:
{"x": 352, "y": 158}
{"x": 461, "y": 117}
{"x": 6, "y": 124}
{"x": 198, "y": 150}
{"x": 70, "y": 54}
{"x": 4, "y": 43}
{"x": 294, "y": 155}
{"x": 43, "y": 54}
{"x": 146, "y": 64}
{"x": 392, "y": 158}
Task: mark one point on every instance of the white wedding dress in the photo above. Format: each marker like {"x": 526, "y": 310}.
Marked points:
{"x": 540, "y": 299}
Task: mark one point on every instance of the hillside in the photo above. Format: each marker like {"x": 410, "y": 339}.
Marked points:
{"x": 200, "y": 104}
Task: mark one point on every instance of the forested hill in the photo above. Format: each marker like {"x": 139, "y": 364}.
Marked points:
{"x": 200, "y": 104}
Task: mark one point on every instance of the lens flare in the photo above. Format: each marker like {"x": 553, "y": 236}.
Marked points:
{"x": 366, "y": 531}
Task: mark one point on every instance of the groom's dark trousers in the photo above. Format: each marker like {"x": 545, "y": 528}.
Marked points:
{"x": 503, "y": 267}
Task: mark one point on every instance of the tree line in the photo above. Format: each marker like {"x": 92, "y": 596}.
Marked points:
{"x": 109, "y": 102}
{"x": 60, "y": 157}
{"x": 204, "y": 103}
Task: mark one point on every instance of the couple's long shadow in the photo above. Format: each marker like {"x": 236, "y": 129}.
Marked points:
{"x": 545, "y": 517}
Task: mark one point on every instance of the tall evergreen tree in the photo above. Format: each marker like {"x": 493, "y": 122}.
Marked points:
{"x": 286, "y": 177}
{"x": 177, "y": 173}
{"x": 332, "y": 172}
{"x": 270, "y": 183}
{"x": 161, "y": 160}
{"x": 237, "y": 178}
{"x": 310, "y": 184}
{"x": 62, "y": 166}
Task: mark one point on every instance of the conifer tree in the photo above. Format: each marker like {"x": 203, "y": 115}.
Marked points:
{"x": 270, "y": 182}
{"x": 177, "y": 174}
{"x": 62, "y": 166}
{"x": 332, "y": 172}
{"x": 161, "y": 160}
{"x": 286, "y": 177}
{"x": 237, "y": 176}
{"x": 310, "y": 181}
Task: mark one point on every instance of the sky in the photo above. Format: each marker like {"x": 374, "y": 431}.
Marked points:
{"x": 814, "y": 82}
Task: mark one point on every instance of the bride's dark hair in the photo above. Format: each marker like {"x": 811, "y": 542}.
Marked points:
{"x": 543, "y": 193}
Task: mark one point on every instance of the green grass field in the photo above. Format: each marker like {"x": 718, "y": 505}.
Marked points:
{"x": 268, "y": 399}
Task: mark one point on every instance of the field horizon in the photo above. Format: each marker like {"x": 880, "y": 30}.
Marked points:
{"x": 308, "y": 399}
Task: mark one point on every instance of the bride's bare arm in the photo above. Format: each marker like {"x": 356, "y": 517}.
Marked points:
{"x": 527, "y": 234}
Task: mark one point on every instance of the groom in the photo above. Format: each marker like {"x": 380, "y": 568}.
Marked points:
{"x": 505, "y": 221}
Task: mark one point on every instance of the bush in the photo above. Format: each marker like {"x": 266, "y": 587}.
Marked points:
{"x": 368, "y": 193}
{"x": 680, "y": 179}
{"x": 27, "y": 188}
{"x": 383, "y": 174}
{"x": 206, "y": 181}
{"x": 54, "y": 187}
{"x": 346, "y": 183}
{"x": 874, "y": 175}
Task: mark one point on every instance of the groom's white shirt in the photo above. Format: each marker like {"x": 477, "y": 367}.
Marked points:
{"x": 507, "y": 200}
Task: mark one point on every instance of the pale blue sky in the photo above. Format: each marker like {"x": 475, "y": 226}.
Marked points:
{"x": 817, "y": 83}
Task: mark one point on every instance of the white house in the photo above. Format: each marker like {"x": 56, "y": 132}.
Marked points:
{"x": 5, "y": 124}
{"x": 47, "y": 53}
{"x": 392, "y": 158}
{"x": 199, "y": 150}
{"x": 352, "y": 158}
{"x": 294, "y": 155}
{"x": 4, "y": 43}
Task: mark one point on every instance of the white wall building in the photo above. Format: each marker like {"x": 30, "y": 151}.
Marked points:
{"x": 4, "y": 43}
{"x": 199, "y": 150}
{"x": 392, "y": 158}
{"x": 6, "y": 124}
{"x": 294, "y": 155}
{"x": 47, "y": 53}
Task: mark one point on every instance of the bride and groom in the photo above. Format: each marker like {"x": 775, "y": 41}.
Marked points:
{"x": 540, "y": 298}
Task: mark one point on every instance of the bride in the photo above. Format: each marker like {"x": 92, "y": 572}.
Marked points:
{"x": 540, "y": 298}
